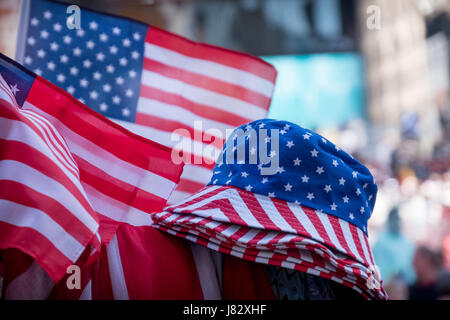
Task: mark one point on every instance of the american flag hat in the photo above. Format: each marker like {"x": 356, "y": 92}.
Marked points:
{"x": 283, "y": 195}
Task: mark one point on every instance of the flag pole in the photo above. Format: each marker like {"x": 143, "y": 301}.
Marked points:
{"x": 22, "y": 30}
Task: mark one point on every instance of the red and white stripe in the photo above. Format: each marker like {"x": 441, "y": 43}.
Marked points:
{"x": 44, "y": 211}
{"x": 271, "y": 231}
{"x": 124, "y": 176}
{"x": 184, "y": 81}
{"x": 70, "y": 178}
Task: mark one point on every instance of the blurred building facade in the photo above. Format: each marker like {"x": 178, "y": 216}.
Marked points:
{"x": 8, "y": 26}
{"x": 396, "y": 61}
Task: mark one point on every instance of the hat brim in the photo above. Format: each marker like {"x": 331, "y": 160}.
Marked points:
{"x": 272, "y": 231}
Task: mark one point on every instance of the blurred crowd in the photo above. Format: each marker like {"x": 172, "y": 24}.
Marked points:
{"x": 410, "y": 226}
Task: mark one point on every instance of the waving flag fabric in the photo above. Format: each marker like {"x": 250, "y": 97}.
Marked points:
{"x": 69, "y": 177}
{"x": 44, "y": 210}
{"x": 148, "y": 80}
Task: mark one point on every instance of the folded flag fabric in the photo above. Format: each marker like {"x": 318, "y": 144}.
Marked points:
{"x": 69, "y": 176}
{"x": 148, "y": 80}
{"x": 309, "y": 213}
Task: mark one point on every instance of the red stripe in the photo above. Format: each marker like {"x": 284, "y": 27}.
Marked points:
{"x": 172, "y": 125}
{"x": 290, "y": 218}
{"x": 312, "y": 215}
{"x": 13, "y": 114}
{"x": 196, "y": 199}
{"x": 354, "y": 234}
{"x": 226, "y": 208}
{"x": 261, "y": 234}
{"x": 189, "y": 186}
{"x": 193, "y": 159}
{"x": 170, "y": 276}
{"x": 257, "y": 211}
{"x": 207, "y": 52}
{"x": 208, "y": 83}
{"x": 56, "y": 143}
{"x": 35, "y": 245}
{"x": 103, "y": 132}
{"x": 334, "y": 221}
{"x": 275, "y": 240}
{"x": 372, "y": 261}
{"x": 18, "y": 151}
{"x": 101, "y": 278}
{"x": 119, "y": 190}
{"x": 14, "y": 191}
{"x": 317, "y": 260}
{"x": 201, "y": 110}
{"x": 61, "y": 292}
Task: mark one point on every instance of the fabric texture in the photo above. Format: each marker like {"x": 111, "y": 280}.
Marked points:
{"x": 270, "y": 223}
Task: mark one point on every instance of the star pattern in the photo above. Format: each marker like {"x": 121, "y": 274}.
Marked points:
{"x": 310, "y": 170}
{"x": 99, "y": 64}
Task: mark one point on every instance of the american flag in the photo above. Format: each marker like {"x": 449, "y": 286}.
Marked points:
{"x": 69, "y": 178}
{"x": 148, "y": 80}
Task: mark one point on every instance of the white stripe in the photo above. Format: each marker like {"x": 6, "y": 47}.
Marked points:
{"x": 18, "y": 131}
{"x": 23, "y": 216}
{"x": 59, "y": 158}
{"x": 202, "y": 96}
{"x": 231, "y": 230}
{"x": 177, "y": 196}
{"x": 212, "y": 224}
{"x": 199, "y": 194}
{"x": 363, "y": 245}
{"x": 262, "y": 260}
{"x": 210, "y": 69}
{"x": 32, "y": 178}
{"x": 117, "y": 168}
{"x": 172, "y": 217}
{"x": 304, "y": 221}
{"x": 4, "y": 92}
{"x": 236, "y": 202}
{"x": 195, "y": 220}
{"x": 349, "y": 239}
{"x": 246, "y": 238}
{"x": 118, "y": 283}
{"x": 287, "y": 265}
{"x": 241, "y": 208}
{"x": 207, "y": 272}
{"x": 330, "y": 231}
{"x": 196, "y": 173}
{"x": 33, "y": 284}
{"x": 87, "y": 292}
{"x": 269, "y": 236}
{"x": 59, "y": 141}
{"x": 171, "y": 112}
{"x": 115, "y": 209}
{"x": 165, "y": 138}
{"x": 273, "y": 214}
{"x": 215, "y": 213}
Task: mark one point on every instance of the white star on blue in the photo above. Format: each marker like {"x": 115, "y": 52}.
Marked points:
{"x": 99, "y": 64}
{"x": 310, "y": 170}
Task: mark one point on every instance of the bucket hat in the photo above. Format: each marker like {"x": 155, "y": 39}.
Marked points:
{"x": 284, "y": 195}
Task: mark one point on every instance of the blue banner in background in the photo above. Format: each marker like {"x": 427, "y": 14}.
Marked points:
{"x": 318, "y": 90}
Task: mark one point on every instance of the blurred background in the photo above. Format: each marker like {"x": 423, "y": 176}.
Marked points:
{"x": 373, "y": 76}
